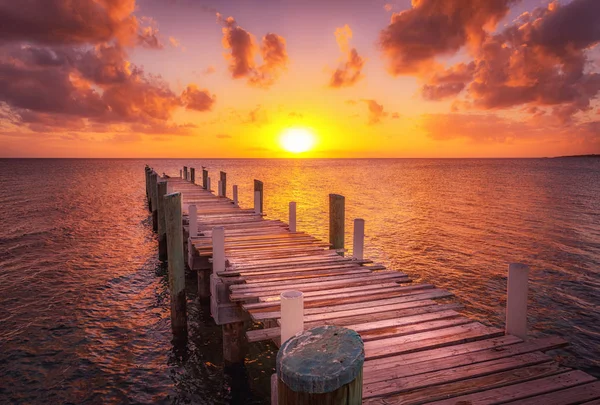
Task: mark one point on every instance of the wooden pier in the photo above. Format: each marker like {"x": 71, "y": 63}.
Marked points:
{"x": 417, "y": 347}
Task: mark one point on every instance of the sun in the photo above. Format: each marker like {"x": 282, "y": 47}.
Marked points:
{"x": 297, "y": 140}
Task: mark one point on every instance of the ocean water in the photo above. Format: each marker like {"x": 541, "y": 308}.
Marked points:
{"x": 84, "y": 306}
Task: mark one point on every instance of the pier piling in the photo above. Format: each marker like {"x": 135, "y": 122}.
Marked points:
{"x": 220, "y": 188}
{"x": 337, "y": 213}
{"x": 192, "y": 175}
{"x": 162, "y": 224}
{"x": 153, "y": 181}
{"x": 235, "y": 196}
{"x": 208, "y": 187}
{"x": 335, "y": 355}
{"x": 204, "y": 179}
{"x": 358, "y": 242}
{"x": 292, "y": 217}
{"x": 223, "y": 177}
{"x": 258, "y": 188}
{"x": 185, "y": 173}
{"x": 516, "y": 300}
{"x": 292, "y": 314}
{"x": 176, "y": 264}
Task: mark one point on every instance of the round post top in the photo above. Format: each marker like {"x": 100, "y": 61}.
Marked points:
{"x": 321, "y": 359}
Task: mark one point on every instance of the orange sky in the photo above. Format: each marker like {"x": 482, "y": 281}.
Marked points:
{"x": 180, "y": 78}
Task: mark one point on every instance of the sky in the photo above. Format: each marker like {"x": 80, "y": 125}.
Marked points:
{"x": 370, "y": 78}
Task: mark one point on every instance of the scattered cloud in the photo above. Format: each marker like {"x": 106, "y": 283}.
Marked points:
{"x": 196, "y": 99}
{"x": 223, "y": 136}
{"x": 388, "y": 7}
{"x": 242, "y": 50}
{"x": 148, "y": 36}
{"x": 376, "y": 112}
{"x": 209, "y": 70}
{"x": 350, "y": 70}
{"x": 431, "y": 28}
{"x": 176, "y": 44}
{"x": 395, "y": 115}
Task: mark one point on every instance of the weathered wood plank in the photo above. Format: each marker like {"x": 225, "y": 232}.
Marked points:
{"x": 523, "y": 390}
{"x": 568, "y": 396}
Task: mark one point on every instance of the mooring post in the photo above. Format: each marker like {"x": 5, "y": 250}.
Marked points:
{"x": 204, "y": 178}
{"x": 292, "y": 216}
{"x": 516, "y": 300}
{"x": 208, "y": 188}
{"x": 292, "y": 314}
{"x": 337, "y": 221}
{"x": 220, "y": 188}
{"x": 235, "y": 196}
{"x": 185, "y": 172}
{"x": 218, "y": 249}
{"x": 193, "y": 220}
{"x": 153, "y": 181}
{"x": 192, "y": 175}
{"x": 223, "y": 177}
{"x": 180, "y": 173}
{"x": 258, "y": 187}
{"x": 358, "y": 243}
{"x": 148, "y": 190}
{"x": 323, "y": 365}
{"x": 162, "y": 223}
{"x": 176, "y": 264}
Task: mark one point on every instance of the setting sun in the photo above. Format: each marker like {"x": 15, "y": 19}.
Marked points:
{"x": 297, "y": 140}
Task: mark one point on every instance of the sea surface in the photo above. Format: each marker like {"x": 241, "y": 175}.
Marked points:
{"x": 84, "y": 306}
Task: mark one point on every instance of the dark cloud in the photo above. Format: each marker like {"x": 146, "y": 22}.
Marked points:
{"x": 415, "y": 37}
{"x": 449, "y": 82}
{"x": 148, "y": 36}
{"x": 196, "y": 99}
{"x": 350, "y": 70}
{"x": 243, "y": 49}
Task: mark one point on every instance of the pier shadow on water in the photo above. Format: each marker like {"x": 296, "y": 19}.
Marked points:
{"x": 197, "y": 369}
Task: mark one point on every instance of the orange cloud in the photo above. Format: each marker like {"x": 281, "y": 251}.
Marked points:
{"x": 243, "y": 49}
{"x": 349, "y": 72}
{"x": 376, "y": 112}
{"x": 196, "y": 99}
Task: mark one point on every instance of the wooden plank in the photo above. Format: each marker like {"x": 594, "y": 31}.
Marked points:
{"x": 390, "y": 323}
{"x": 303, "y": 275}
{"x": 396, "y": 386}
{"x": 397, "y": 331}
{"x": 438, "y": 353}
{"x": 378, "y": 316}
{"x": 429, "y": 340}
{"x": 360, "y": 308}
{"x": 372, "y": 279}
{"x": 574, "y": 395}
{"x": 397, "y": 370}
{"x": 523, "y": 390}
{"x": 456, "y": 388}
{"x": 286, "y": 270}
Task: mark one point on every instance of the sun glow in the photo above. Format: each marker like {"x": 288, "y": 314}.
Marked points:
{"x": 297, "y": 140}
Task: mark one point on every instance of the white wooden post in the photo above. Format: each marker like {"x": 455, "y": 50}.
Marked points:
{"x": 208, "y": 184}
{"x": 292, "y": 216}
{"x": 218, "y": 249}
{"x": 359, "y": 239}
{"x": 292, "y": 314}
{"x": 220, "y": 188}
{"x": 257, "y": 202}
{"x": 193, "y": 219}
{"x": 235, "y": 196}
{"x": 516, "y": 300}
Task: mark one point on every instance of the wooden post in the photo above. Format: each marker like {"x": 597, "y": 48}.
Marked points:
{"x": 218, "y": 249}
{"x": 323, "y": 365}
{"x": 185, "y": 172}
{"x": 292, "y": 217}
{"x": 147, "y": 175}
{"x": 292, "y": 314}
{"x": 235, "y": 344}
{"x": 235, "y": 196}
{"x": 193, "y": 220}
{"x": 258, "y": 186}
{"x": 337, "y": 221}
{"x": 257, "y": 202}
{"x": 162, "y": 223}
{"x": 208, "y": 187}
{"x": 516, "y": 300}
{"x": 180, "y": 173}
{"x": 220, "y": 188}
{"x": 223, "y": 177}
{"x": 153, "y": 181}
{"x": 192, "y": 175}
{"x": 204, "y": 178}
{"x": 358, "y": 244}
{"x": 176, "y": 263}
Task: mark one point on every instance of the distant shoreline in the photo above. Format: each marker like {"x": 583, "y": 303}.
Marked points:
{"x": 577, "y": 156}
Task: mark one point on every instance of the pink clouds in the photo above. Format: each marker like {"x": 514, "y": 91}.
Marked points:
{"x": 242, "y": 50}
{"x": 350, "y": 70}
{"x": 415, "y": 37}
{"x": 65, "y": 67}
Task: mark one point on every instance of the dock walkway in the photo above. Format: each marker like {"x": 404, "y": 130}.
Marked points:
{"x": 418, "y": 348}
